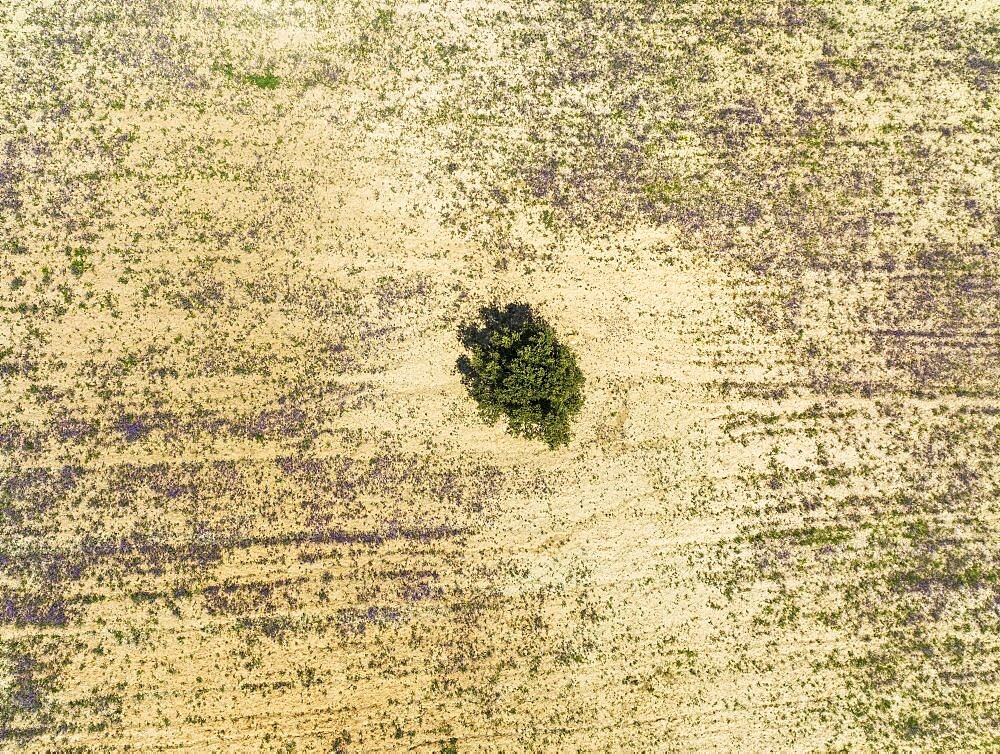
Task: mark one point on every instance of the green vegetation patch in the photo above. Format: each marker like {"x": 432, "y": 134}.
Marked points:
{"x": 78, "y": 260}
{"x": 516, "y": 367}
{"x": 261, "y": 80}
{"x": 264, "y": 80}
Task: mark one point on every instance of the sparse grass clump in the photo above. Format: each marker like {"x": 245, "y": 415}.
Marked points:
{"x": 516, "y": 367}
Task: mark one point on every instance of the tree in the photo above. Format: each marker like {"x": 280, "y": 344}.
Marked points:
{"x": 516, "y": 367}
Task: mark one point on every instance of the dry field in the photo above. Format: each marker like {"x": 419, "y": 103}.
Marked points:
{"x": 246, "y": 503}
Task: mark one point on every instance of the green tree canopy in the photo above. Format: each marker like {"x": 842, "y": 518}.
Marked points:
{"x": 516, "y": 367}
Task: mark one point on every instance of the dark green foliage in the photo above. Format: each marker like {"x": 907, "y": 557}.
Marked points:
{"x": 516, "y": 367}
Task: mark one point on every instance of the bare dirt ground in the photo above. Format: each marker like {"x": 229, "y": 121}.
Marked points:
{"x": 246, "y": 503}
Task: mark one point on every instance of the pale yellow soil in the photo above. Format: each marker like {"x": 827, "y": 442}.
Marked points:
{"x": 281, "y": 525}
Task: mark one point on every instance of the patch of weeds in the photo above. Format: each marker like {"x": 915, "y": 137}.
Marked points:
{"x": 226, "y": 69}
{"x": 78, "y": 260}
{"x": 13, "y": 246}
{"x": 341, "y": 742}
{"x": 384, "y": 19}
{"x": 266, "y": 80}
{"x": 263, "y": 80}
{"x": 662, "y": 191}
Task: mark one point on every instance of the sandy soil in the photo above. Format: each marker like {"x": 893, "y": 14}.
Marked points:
{"x": 246, "y": 502}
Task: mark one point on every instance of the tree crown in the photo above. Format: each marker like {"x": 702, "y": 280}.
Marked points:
{"x": 516, "y": 367}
